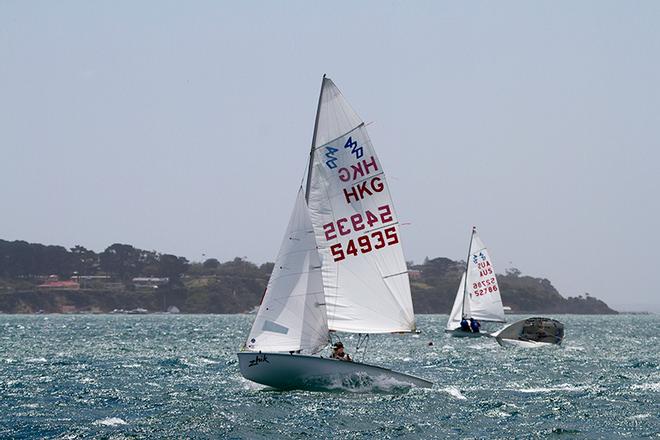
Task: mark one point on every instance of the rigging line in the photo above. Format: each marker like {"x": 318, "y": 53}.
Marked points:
{"x": 395, "y": 274}
{"x": 364, "y": 353}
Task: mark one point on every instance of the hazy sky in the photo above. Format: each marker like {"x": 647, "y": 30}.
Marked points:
{"x": 185, "y": 127}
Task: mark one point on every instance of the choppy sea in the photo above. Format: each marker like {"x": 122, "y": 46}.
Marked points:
{"x": 176, "y": 376}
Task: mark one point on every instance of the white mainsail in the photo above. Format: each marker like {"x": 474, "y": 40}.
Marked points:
{"x": 292, "y": 314}
{"x": 482, "y": 288}
{"x": 365, "y": 276}
{"x": 480, "y": 298}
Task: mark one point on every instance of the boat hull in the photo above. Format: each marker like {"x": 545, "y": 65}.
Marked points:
{"x": 295, "y": 371}
{"x": 522, "y": 343}
{"x": 458, "y": 333}
{"x": 531, "y": 332}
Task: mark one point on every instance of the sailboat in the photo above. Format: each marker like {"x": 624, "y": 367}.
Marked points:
{"x": 478, "y": 296}
{"x": 340, "y": 267}
{"x": 531, "y": 333}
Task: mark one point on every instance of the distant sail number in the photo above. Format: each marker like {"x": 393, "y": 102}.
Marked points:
{"x": 481, "y": 288}
{"x": 365, "y": 243}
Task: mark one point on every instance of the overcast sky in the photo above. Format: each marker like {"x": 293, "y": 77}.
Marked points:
{"x": 184, "y": 127}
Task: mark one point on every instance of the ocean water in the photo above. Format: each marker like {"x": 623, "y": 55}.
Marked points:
{"x": 176, "y": 376}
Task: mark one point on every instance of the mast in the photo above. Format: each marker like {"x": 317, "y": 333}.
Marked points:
{"x": 311, "y": 151}
{"x": 467, "y": 265}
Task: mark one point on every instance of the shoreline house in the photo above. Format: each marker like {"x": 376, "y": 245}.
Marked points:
{"x": 54, "y": 282}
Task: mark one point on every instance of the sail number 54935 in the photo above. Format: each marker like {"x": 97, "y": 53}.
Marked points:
{"x": 365, "y": 243}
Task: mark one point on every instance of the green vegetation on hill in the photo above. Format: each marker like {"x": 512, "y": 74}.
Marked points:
{"x": 434, "y": 285}
{"x": 124, "y": 277}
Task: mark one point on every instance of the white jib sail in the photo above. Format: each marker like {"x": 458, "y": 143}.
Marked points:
{"x": 482, "y": 289}
{"x": 292, "y": 312}
{"x": 365, "y": 276}
{"x": 460, "y": 308}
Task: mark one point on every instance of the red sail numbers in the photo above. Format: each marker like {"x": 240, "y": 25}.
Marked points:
{"x": 487, "y": 282}
{"x": 369, "y": 241}
{"x": 366, "y": 231}
{"x": 365, "y": 243}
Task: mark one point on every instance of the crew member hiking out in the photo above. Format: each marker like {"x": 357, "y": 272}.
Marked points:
{"x": 338, "y": 353}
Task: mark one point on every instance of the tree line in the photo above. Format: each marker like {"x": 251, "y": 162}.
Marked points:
{"x": 238, "y": 285}
{"x": 20, "y": 259}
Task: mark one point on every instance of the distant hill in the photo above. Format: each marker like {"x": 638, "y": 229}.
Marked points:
{"x": 53, "y": 279}
{"x": 434, "y": 285}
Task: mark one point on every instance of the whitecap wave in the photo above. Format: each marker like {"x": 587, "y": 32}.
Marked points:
{"x": 198, "y": 361}
{"x": 497, "y": 413}
{"x": 647, "y": 386}
{"x": 561, "y": 387}
{"x": 110, "y": 421}
{"x": 454, "y": 392}
{"x": 639, "y": 416}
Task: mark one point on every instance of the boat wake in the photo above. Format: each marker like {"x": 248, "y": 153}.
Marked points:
{"x": 363, "y": 383}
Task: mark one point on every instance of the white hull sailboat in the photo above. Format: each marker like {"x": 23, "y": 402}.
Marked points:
{"x": 340, "y": 267}
{"x": 531, "y": 333}
{"x": 478, "y": 295}
{"x": 314, "y": 373}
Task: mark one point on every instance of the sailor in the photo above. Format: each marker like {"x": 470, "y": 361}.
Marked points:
{"x": 465, "y": 326}
{"x": 338, "y": 353}
{"x": 474, "y": 325}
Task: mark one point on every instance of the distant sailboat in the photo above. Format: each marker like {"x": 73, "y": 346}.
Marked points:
{"x": 340, "y": 266}
{"x": 478, "y": 296}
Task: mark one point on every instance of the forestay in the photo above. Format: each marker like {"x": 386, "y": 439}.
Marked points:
{"x": 364, "y": 271}
{"x": 292, "y": 312}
